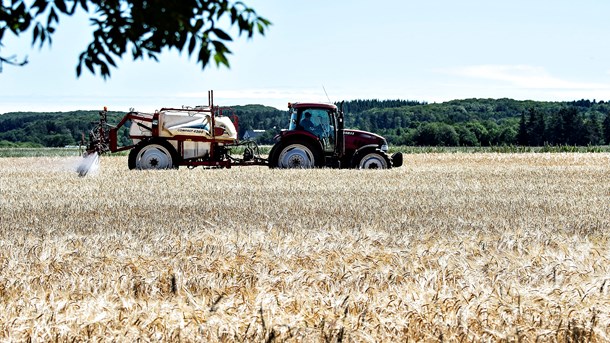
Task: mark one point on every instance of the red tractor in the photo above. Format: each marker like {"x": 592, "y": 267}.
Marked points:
{"x": 204, "y": 136}
{"x": 316, "y": 137}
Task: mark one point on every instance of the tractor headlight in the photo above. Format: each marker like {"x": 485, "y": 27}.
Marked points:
{"x": 384, "y": 147}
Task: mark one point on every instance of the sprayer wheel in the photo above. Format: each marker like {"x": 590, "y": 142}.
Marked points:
{"x": 156, "y": 154}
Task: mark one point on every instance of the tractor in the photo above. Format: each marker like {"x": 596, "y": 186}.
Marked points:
{"x": 204, "y": 136}
{"x": 316, "y": 137}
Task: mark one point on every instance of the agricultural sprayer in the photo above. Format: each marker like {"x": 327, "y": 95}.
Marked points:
{"x": 205, "y": 136}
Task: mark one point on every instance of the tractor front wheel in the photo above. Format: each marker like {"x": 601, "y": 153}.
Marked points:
{"x": 153, "y": 155}
{"x": 373, "y": 160}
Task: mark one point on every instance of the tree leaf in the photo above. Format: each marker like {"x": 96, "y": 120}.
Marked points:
{"x": 52, "y": 17}
{"x": 192, "y": 43}
{"x": 198, "y": 25}
{"x": 104, "y": 70}
{"x": 204, "y": 55}
{"x": 61, "y": 6}
{"x": 89, "y": 65}
{"x": 35, "y": 34}
{"x": 83, "y": 4}
{"x": 43, "y": 37}
{"x": 220, "y": 58}
{"x": 221, "y": 34}
{"x": 153, "y": 56}
{"x": 109, "y": 59}
{"x": 40, "y": 6}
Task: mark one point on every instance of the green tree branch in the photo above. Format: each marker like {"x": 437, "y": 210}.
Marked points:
{"x": 142, "y": 27}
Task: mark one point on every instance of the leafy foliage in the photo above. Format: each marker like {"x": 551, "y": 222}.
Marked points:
{"x": 143, "y": 27}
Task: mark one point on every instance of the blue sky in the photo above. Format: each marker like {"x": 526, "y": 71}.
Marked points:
{"x": 433, "y": 51}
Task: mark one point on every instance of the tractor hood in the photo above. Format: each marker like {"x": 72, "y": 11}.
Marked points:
{"x": 363, "y": 134}
{"x": 355, "y": 139}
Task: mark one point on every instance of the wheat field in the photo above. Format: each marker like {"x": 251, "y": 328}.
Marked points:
{"x": 449, "y": 247}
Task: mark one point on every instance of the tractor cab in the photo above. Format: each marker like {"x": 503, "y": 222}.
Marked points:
{"x": 318, "y": 121}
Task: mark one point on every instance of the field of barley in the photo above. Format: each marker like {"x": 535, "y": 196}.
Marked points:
{"x": 450, "y": 247}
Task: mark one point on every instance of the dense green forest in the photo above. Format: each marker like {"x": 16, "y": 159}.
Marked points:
{"x": 470, "y": 122}
{"x": 484, "y": 122}
{"x": 48, "y": 129}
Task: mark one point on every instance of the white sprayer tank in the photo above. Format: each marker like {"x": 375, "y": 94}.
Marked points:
{"x": 186, "y": 123}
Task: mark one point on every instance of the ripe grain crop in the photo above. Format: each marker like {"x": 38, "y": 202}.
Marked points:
{"x": 449, "y": 247}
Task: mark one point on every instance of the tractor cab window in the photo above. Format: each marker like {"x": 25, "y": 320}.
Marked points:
{"x": 319, "y": 122}
{"x": 293, "y": 120}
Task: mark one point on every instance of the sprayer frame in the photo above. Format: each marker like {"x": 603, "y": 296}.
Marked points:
{"x": 218, "y": 157}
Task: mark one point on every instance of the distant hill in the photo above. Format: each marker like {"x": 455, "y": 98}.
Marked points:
{"x": 468, "y": 122}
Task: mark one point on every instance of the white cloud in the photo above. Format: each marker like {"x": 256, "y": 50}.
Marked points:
{"x": 524, "y": 76}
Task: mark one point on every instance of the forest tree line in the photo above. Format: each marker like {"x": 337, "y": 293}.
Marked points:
{"x": 486, "y": 122}
{"x": 470, "y": 122}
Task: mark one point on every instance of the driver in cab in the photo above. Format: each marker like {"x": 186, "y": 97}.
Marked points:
{"x": 307, "y": 124}
{"x": 319, "y": 130}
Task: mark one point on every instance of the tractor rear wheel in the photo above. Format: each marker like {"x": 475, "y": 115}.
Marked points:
{"x": 153, "y": 155}
{"x": 295, "y": 155}
{"x": 373, "y": 160}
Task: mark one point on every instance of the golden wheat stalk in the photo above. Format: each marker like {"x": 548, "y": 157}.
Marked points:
{"x": 451, "y": 247}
